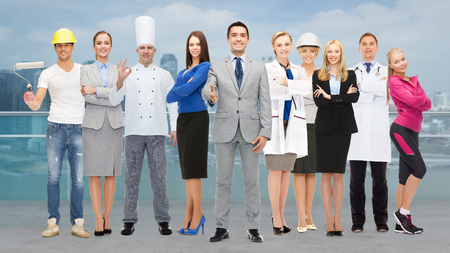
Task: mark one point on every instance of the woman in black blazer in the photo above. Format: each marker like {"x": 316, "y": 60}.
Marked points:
{"x": 334, "y": 90}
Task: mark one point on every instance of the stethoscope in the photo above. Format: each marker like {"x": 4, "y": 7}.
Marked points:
{"x": 362, "y": 75}
{"x": 376, "y": 74}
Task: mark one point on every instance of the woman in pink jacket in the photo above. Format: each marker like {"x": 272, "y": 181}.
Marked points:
{"x": 411, "y": 101}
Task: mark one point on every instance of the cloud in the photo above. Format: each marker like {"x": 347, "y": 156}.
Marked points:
{"x": 6, "y": 33}
{"x": 418, "y": 28}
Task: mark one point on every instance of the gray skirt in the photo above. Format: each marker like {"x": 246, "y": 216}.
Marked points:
{"x": 102, "y": 151}
{"x": 284, "y": 162}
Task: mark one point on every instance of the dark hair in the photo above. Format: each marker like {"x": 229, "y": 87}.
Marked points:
{"x": 63, "y": 43}
{"x": 237, "y": 23}
{"x": 204, "y": 53}
{"x": 101, "y": 32}
{"x": 368, "y": 34}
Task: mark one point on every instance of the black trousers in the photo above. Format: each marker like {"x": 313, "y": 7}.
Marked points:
{"x": 358, "y": 192}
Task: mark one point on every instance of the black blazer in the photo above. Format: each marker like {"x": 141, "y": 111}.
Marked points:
{"x": 343, "y": 101}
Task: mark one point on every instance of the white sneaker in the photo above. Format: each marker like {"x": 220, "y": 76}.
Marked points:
{"x": 79, "y": 230}
{"x": 52, "y": 228}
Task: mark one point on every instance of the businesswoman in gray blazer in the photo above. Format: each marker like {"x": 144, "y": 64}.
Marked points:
{"x": 334, "y": 89}
{"x": 102, "y": 131}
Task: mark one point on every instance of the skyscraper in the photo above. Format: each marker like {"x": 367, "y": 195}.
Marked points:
{"x": 169, "y": 63}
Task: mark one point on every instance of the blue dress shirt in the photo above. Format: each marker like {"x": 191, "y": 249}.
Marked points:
{"x": 103, "y": 70}
{"x": 288, "y": 103}
{"x": 335, "y": 84}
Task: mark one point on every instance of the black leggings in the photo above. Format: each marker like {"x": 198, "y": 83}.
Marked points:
{"x": 410, "y": 161}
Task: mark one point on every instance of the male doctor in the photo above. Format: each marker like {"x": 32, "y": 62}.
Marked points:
{"x": 146, "y": 86}
{"x": 371, "y": 143}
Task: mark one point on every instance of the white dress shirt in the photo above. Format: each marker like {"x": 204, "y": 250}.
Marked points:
{"x": 145, "y": 107}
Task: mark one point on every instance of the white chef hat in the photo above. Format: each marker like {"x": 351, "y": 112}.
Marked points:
{"x": 145, "y": 30}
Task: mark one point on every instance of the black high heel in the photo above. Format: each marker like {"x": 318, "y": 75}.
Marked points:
{"x": 286, "y": 229}
{"x": 106, "y": 231}
{"x": 100, "y": 233}
{"x": 330, "y": 233}
{"x": 277, "y": 231}
{"x": 339, "y": 233}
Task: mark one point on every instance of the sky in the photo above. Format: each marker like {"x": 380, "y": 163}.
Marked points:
{"x": 419, "y": 28}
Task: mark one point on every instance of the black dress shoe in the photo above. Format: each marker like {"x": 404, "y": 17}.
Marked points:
{"x": 357, "y": 228}
{"x": 219, "y": 235}
{"x": 254, "y": 235}
{"x": 382, "y": 227}
{"x": 164, "y": 228}
{"x": 127, "y": 229}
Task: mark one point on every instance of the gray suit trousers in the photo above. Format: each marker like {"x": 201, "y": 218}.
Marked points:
{"x": 225, "y": 154}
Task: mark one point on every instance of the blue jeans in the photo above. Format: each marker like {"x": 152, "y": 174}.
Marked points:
{"x": 62, "y": 137}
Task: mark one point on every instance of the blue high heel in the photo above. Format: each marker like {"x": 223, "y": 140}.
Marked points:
{"x": 181, "y": 231}
{"x": 195, "y": 231}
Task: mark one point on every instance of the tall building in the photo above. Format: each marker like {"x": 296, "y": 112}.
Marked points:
{"x": 169, "y": 63}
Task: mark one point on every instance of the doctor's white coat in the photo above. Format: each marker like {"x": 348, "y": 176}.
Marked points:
{"x": 371, "y": 142}
{"x": 295, "y": 140}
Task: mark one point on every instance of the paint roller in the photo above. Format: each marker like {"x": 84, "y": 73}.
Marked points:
{"x": 28, "y": 65}
{"x": 28, "y": 96}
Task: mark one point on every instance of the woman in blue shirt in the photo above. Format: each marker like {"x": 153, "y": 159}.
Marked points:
{"x": 192, "y": 128}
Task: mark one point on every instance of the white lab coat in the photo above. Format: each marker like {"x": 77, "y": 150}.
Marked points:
{"x": 371, "y": 142}
{"x": 295, "y": 140}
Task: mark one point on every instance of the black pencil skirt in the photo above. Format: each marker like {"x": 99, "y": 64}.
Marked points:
{"x": 192, "y": 135}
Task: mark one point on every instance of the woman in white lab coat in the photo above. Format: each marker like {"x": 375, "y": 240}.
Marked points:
{"x": 288, "y": 84}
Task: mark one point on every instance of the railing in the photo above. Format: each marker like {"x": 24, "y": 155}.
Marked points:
{"x": 23, "y": 159}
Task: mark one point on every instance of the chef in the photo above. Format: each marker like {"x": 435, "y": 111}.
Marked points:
{"x": 146, "y": 86}
{"x": 371, "y": 143}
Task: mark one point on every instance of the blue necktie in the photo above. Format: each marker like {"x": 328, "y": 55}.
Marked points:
{"x": 238, "y": 72}
{"x": 367, "y": 66}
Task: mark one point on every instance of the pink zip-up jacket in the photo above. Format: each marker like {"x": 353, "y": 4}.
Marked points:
{"x": 410, "y": 100}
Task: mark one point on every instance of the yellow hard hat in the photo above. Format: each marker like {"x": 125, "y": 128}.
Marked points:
{"x": 63, "y": 35}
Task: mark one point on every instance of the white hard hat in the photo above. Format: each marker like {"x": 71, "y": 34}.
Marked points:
{"x": 308, "y": 39}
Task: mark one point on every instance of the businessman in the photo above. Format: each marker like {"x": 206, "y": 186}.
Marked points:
{"x": 241, "y": 85}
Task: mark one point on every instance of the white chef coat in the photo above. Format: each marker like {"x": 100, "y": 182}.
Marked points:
{"x": 145, "y": 107}
{"x": 296, "y": 139}
{"x": 371, "y": 142}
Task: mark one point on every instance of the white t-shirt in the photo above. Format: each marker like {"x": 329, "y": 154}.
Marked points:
{"x": 67, "y": 106}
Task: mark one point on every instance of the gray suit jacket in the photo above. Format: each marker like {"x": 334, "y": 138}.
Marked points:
{"x": 248, "y": 107}
{"x": 98, "y": 106}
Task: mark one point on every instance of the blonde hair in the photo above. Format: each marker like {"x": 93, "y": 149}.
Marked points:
{"x": 342, "y": 71}
{"x": 280, "y": 34}
{"x": 390, "y": 70}
{"x": 316, "y": 49}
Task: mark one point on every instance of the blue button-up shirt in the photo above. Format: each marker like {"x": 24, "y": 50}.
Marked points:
{"x": 103, "y": 70}
{"x": 335, "y": 84}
